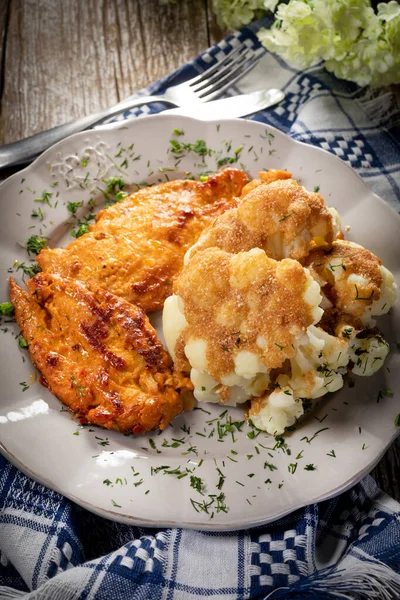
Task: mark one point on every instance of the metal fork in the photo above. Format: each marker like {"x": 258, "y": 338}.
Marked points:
{"x": 202, "y": 88}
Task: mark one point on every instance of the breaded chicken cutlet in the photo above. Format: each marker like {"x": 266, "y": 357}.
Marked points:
{"x": 136, "y": 247}
{"x": 98, "y": 354}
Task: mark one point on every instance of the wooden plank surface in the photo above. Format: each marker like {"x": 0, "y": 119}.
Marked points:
{"x": 60, "y": 60}
{"x": 67, "y": 59}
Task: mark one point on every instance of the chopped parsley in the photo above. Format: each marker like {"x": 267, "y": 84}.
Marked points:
{"x": 287, "y": 216}
{"x": 199, "y": 147}
{"x": 114, "y": 185}
{"x": 102, "y": 442}
{"x": 22, "y": 343}
{"x": 175, "y": 443}
{"x": 6, "y": 308}
{"x": 309, "y": 440}
{"x": 316, "y": 189}
{"x": 333, "y": 267}
{"x": 37, "y": 213}
{"x": 310, "y": 467}
{"x": 83, "y": 227}
{"x": 270, "y": 466}
{"x": 358, "y": 297}
{"x": 35, "y": 244}
{"x": 120, "y": 196}
{"x": 281, "y": 444}
{"x": 80, "y": 389}
{"x": 72, "y": 207}
{"x": 32, "y": 270}
{"x": 220, "y": 480}
{"x": 197, "y": 484}
{"x": 346, "y": 333}
{"x": 397, "y": 420}
{"x": 44, "y": 198}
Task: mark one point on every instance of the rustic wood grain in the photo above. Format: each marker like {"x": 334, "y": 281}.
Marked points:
{"x": 67, "y": 59}
{"x": 4, "y": 15}
{"x": 62, "y": 59}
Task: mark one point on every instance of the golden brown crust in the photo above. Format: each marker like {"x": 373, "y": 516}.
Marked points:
{"x": 265, "y": 177}
{"x": 292, "y": 209}
{"x": 335, "y": 321}
{"x": 98, "y": 354}
{"x": 231, "y": 301}
{"x": 333, "y": 268}
{"x": 281, "y": 208}
{"x": 136, "y": 247}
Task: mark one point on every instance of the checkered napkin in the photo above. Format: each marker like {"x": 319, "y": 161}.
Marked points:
{"x": 348, "y": 547}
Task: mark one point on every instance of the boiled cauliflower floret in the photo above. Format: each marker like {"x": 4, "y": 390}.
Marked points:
{"x": 233, "y": 318}
{"x": 314, "y": 369}
{"x": 277, "y": 410}
{"x": 336, "y": 220}
{"x": 282, "y": 218}
{"x": 368, "y": 354}
{"x": 354, "y": 280}
{"x": 387, "y": 297}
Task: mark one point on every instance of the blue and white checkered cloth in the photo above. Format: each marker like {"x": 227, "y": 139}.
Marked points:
{"x": 347, "y": 547}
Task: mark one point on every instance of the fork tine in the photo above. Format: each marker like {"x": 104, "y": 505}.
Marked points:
{"x": 220, "y": 73}
{"x": 218, "y": 65}
{"x": 228, "y": 81}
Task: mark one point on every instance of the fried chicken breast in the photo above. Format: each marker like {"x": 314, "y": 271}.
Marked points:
{"x": 136, "y": 247}
{"x": 98, "y": 354}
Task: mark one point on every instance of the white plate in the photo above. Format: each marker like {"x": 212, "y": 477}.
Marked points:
{"x": 96, "y": 468}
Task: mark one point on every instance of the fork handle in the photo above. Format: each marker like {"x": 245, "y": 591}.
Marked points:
{"x": 26, "y": 150}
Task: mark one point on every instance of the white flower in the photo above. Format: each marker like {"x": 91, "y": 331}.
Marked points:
{"x": 387, "y": 11}
{"x": 236, "y": 13}
{"x": 356, "y": 43}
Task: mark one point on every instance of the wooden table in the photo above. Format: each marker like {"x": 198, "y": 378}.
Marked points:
{"x": 63, "y": 59}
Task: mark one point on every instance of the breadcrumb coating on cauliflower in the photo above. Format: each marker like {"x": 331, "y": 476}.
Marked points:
{"x": 354, "y": 280}
{"x": 273, "y": 305}
{"x": 281, "y": 217}
{"x": 235, "y": 317}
